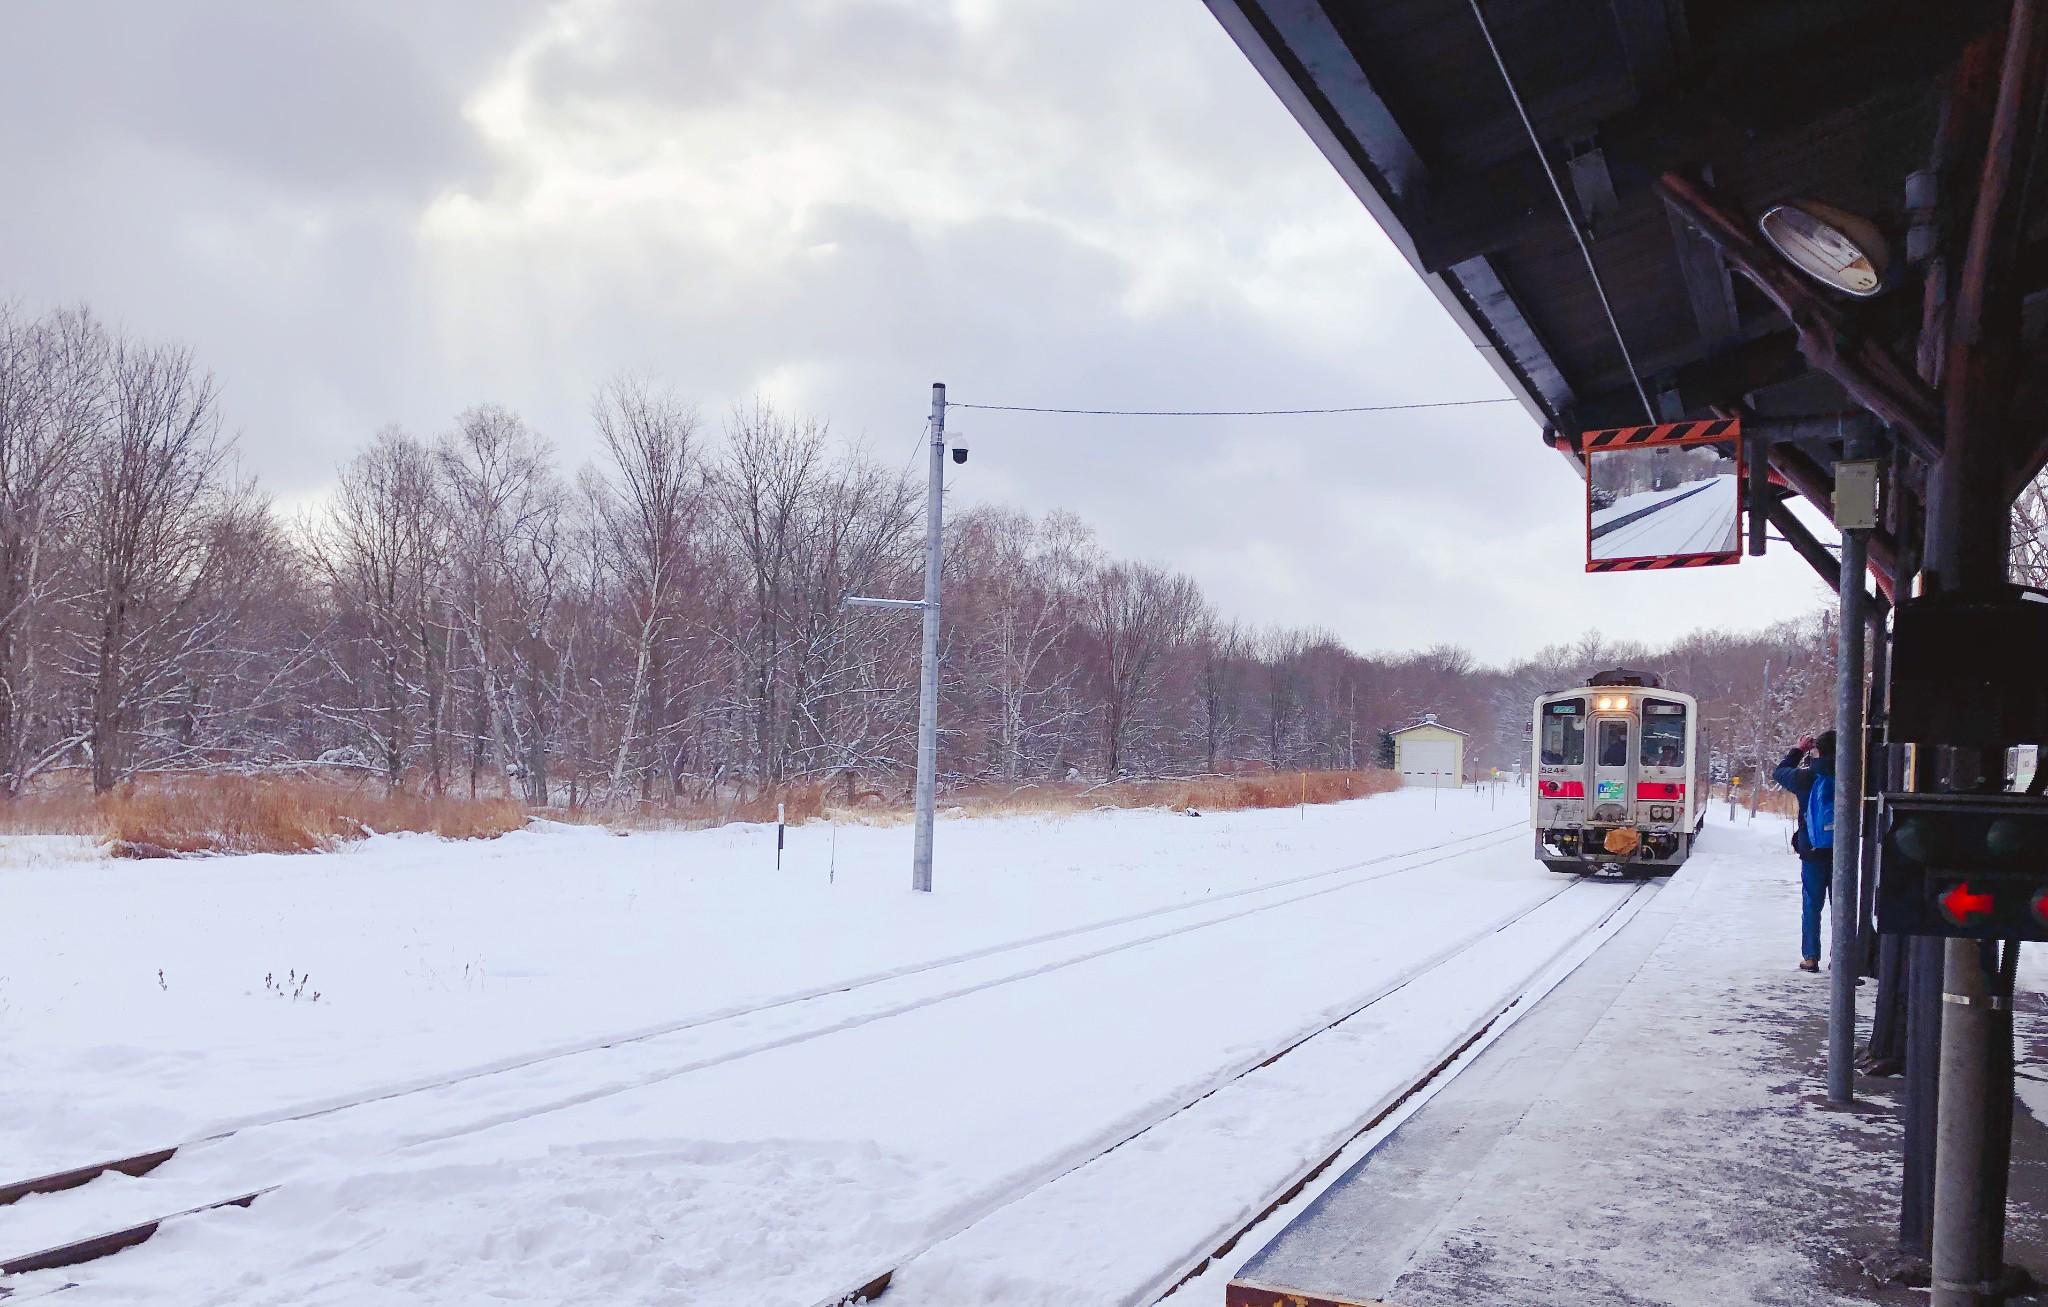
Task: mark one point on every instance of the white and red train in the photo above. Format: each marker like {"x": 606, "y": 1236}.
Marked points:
{"x": 1618, "y": 775}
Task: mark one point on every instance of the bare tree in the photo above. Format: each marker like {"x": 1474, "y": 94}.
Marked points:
{"x": 382, "y": 549}
{"x": 1012, "y": 602}
{"x": 653, "y": 527}
{"x": 804, "y": 532}
{"x": 2030, "y": 534}
{"x": 53, "y": 405}
{"x": 1140, "y": 615}
{"x": 506, "y": 503}
{"x": 1225, "y": 653}
{"x": 673, "y": 621}
{"x": 151, "y": 487}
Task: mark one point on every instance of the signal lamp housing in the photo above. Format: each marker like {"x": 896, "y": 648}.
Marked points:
{"x": 1963, "y": 865}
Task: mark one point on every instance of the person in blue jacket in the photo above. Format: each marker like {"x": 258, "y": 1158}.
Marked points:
{"x": 1808, "y": 773}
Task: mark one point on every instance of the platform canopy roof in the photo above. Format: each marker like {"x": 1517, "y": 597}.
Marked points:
{"x": 1670, "y": 126}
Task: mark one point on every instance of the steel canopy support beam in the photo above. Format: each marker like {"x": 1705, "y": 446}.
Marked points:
{"x": 1706, "y": 285}
{"x": 1803, "y": 543}
{"x": 1828, "y": 337}
{"x": 1818, "y": 486}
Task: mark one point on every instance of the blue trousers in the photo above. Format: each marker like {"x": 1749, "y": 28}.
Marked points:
{"x": 1815, "y": 875}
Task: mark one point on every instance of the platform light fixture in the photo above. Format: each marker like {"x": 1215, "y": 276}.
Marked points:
{"x": 1834, "y": 248}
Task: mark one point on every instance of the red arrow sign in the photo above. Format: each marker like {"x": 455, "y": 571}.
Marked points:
{"x": 1960, "y": 904}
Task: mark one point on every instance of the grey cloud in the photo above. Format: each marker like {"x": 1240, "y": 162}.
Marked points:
{"x": 322, "y": 98}
{"x": 252, "y": 178}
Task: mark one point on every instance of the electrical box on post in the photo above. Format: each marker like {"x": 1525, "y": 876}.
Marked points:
{"x": 1973, "y": 866}
{"x": 1856, "y": 494}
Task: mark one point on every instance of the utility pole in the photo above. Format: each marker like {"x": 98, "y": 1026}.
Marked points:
{"x": 928, "y": 669}
{"x": 928, "y": 663}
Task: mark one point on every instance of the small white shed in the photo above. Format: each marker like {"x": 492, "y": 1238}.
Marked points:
{"x": 1430, "y": 753}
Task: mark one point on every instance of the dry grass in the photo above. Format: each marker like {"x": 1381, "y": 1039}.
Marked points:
{"x": 173, "y": 816}
{"x": 802, "y": 801}
{"x": 887, "y": 802}
{"x": 170, "y": 816}
{"x": 1773, "y": 800}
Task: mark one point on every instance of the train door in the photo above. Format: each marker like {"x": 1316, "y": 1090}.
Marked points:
{"x": 1613, "y": 769}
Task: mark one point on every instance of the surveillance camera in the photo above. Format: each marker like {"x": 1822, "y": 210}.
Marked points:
{"x": 959, "y": 453}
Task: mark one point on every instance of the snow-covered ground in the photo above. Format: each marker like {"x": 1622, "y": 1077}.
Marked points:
{"x": 1700, "y": 518}
{"x": 1627, "y": 505}
{"x": 655, "y": 1068}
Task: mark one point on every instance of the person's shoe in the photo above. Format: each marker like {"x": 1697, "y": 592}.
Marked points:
{"x": 1809, "y": 964}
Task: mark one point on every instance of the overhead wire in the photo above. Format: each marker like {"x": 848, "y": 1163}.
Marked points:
{"x": 1226, "y": 412}
{"x": 922, "y": 432}
{"x": 1571, "y": 219}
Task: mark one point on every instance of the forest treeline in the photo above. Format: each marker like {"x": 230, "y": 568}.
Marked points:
{"x": 462, "y": 615}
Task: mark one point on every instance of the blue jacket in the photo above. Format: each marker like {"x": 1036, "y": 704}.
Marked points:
{"x": 1798, "y": 777}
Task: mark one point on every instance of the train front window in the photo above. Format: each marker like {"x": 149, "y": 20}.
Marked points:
{"x": 1663, "y": 734}
{"x": 1564, "y": 734}
{"x": 1614, "y": 742}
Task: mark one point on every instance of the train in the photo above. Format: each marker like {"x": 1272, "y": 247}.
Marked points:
{"x": 1617, "y": 776}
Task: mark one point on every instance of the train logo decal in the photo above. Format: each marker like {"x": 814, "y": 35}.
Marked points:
{"x": 1611, "y": 791}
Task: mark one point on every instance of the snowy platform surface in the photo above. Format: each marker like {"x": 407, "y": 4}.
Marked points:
{"x": 1650, "y": 1133}
{"x": 567, "y": 1067}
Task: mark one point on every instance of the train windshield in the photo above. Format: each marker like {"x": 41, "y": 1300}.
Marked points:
{"x": 1564, "y": 733}
{"x": 1663, "y": 734}
{"x": 1614, "y": 742}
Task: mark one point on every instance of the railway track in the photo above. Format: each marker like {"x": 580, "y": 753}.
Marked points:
{"x": 1202, "y": 914}
{"x": 873, "y": 1282}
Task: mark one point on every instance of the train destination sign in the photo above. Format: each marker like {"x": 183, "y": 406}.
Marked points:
{"x": 1663, "y": 496}
{"x": 1967, "y": 865}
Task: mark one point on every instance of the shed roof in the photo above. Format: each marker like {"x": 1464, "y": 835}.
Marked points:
{"x": 1430, "y": 723}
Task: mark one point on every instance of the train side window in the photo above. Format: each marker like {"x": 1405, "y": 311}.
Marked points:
{"x": 1613, "y": 742}
{"x": 1663, "y": 734}
{"x": 1564, "y": 734}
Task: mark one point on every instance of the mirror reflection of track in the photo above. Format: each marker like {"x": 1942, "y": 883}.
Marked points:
{"x": 1698, "y": 520}
{"x": 564, "y": 1078}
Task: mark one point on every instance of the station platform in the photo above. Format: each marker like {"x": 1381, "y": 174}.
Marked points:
{"x": 1654, "y": 1131}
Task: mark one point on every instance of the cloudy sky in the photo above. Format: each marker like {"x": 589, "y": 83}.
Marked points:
{"x": 370, "y": 211}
